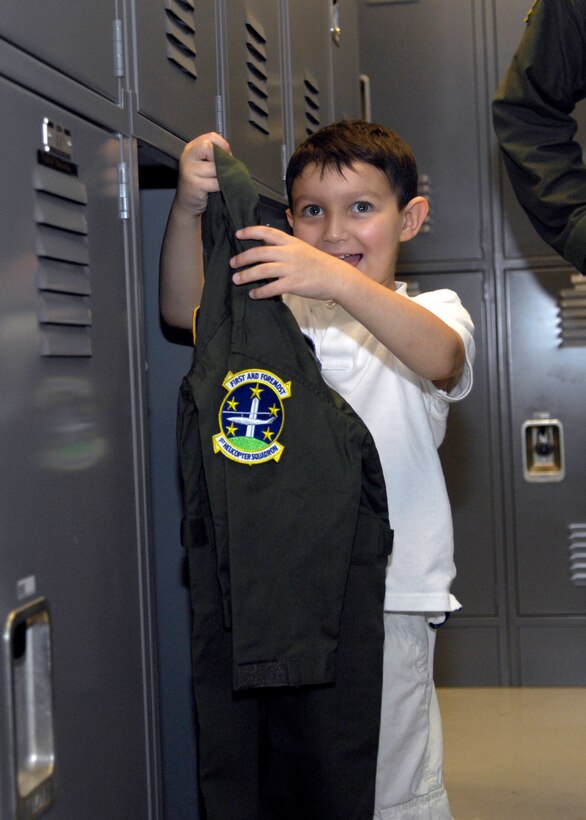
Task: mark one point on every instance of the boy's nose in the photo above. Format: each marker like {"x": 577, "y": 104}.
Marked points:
{"x": 334, "y": 229}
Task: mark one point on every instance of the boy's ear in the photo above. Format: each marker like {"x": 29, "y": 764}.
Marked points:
{"x": 414, "y": 214}
{"x": 289, "y": 216}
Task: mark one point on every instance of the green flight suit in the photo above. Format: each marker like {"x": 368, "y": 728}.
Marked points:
{"x": 287, "y": 533}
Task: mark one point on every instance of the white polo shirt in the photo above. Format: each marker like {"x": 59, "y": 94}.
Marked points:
{"x": 406, "y": 416}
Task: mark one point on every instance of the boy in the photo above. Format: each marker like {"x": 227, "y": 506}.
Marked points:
{"x": 398, "y": 362}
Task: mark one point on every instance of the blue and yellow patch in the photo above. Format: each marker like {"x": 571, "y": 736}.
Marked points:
{"x": 252, "y": 417}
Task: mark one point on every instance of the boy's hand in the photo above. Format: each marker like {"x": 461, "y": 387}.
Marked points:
{"x": 181, "y": 277}
{"x": 197, "y": 173}
{"x": 290, "y": 264}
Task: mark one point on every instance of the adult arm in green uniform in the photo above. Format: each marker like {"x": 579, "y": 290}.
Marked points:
{"x": 534, "y": 122}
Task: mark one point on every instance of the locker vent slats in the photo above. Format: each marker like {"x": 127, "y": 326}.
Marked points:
{"x": 312, "y": 103}
{"x": 65, "y": 309}
{"x": 61, "y": 233}
{"x": 63, "y": 278}
{"x": 60, "y": 340}
{"x": 577, "y": 554}
{"x": 57, "y": 184}
{"x": 59, "y": 213}
{"x": 257, "y": 75}
{"x": 572, "y": 313}
{"x": 180, "y": 33}
{"x": 55, "y": 243}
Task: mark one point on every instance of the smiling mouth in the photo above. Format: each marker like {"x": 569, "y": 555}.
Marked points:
{"x": 351, "y": 258}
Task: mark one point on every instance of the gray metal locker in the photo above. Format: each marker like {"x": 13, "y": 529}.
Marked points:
{"x": 308, "y": 53}
{"x": 252, "y": 89}
{"x": 77, "y": 724}
{"x": 547, "y": 440}
{"x": 469, "y": 646}
{"x": 176, "y": 78}
{"x": 344, "y": 50}
{"x": 520, "y": 239}
{"x": 84, "y": 43}
{"x": 424, "y": 63}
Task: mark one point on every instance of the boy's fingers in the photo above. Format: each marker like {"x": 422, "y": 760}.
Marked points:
{"x": 220, "y": 142}
{"x": 260, "y": 255}
{"x": 256, "y": 273}
{"x": 207, "y": 147}
{"x": 202, "y": 148}
{"x": 264, "y": 233}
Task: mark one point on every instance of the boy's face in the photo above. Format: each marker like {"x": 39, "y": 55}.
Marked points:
{"x": 353, "y": 216}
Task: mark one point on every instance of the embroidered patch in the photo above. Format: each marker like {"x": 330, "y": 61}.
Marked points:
{"x": 252, "y": 417}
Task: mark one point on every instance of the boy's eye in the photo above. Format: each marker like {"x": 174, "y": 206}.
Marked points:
{"x": 362, "y": 207}
{"x": 312, "y": 210}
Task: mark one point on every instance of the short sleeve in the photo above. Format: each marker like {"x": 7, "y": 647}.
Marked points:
{"x": 446, "y": 305}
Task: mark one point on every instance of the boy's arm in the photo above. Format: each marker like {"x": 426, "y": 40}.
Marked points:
{"x": 181, "y": 263}
{"x": 419, "y": 338}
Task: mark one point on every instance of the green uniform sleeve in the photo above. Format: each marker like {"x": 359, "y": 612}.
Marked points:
{"x": 533, "y": 119}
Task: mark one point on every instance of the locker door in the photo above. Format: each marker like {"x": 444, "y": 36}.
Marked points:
{"x": 469, "y": 645}
{"x": 68, "y": 513}
{"x": 78, "y": 40}
{"x": 520, "y": 239}
{"x": 253, "y": 89}
{"x": 422, "y": 59}
{"x": 310, "y": 71}
{"x": 546, "y": 382}
{"x": 175, "y": 47}
{"x": 467, "y": 453}
{"x": 345, "y": 59}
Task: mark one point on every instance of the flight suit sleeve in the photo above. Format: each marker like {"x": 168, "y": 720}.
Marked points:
{"x": 534, "y": 122}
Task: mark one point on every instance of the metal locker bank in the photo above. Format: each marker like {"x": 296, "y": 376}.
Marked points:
{"x": 93, "y": 721}
{"x": 96, "y": 711}
{"x": 515, "y": 452}
{"x": 76, "y": 704}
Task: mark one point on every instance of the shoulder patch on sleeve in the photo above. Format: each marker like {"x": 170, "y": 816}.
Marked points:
{"x": 251, "y": 417}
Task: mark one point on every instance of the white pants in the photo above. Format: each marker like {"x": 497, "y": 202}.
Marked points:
{"x": 409, "y": 780}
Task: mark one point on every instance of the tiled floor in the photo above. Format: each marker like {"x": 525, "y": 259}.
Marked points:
{"x": 515, "y": 754}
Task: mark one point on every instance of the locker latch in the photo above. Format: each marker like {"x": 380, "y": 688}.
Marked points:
{"x": 29, "y": 693}
{"x": 543, "y": 449}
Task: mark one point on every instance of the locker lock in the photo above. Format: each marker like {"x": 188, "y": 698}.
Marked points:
{"x": 544, "y": 445}
{"x": 543, "y": 449}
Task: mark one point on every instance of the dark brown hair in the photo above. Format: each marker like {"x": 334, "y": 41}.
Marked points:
{"x": 347, "y": 142}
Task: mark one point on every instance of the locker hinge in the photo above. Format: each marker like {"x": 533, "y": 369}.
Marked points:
{"x": 220, "y": 114}
{"x": 123, "y": 206}
{"x": 284, "y": 160}
{"x": 118, "y": 49}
